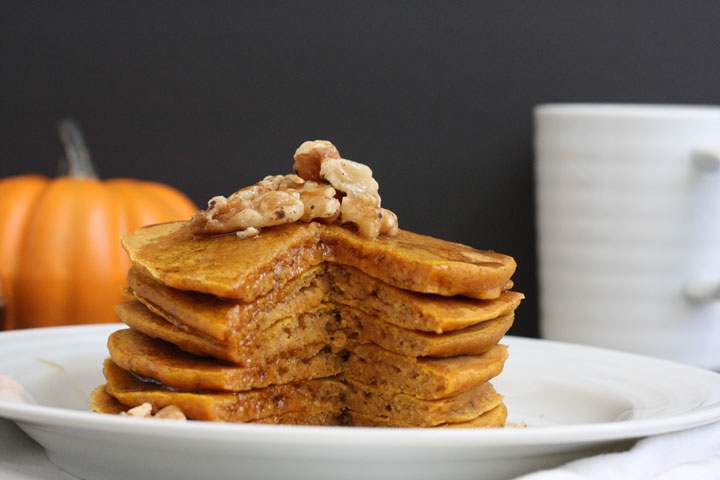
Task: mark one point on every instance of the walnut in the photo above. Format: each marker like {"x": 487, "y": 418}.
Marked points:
{"x": 274, "y": 200}
{"x": 350, "y": 177}
{"x": 319, "y": 201}
{"x": 141, "y": 411}
{"x": 260, "y": 205}
{"x": 171, "y": 412}
{"x": 310, "y": 155}
{"x": 361, "y": 205}
{"x": 388, "y": 222}
{"x": 326, "y": 187}
{"x": 363, "y": 212}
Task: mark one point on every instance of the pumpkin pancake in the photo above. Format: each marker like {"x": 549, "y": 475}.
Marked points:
{"x": 103, "y": 402}
{"x": 245, "y": 269}
{"x": 493, "y": 418}
{"x": 310, "y": 397}
{"x": 414, "y": 311}
{"x": 166, "y": 363}
{"x": 327, "y": 324}
{"x": 222, "y": 318}
{"x": 425, "y": 378}
{"x": 420, "y": 263}
{"x": 475, "y": 339}
{"x": 317, "y": 328}
{"x": 407, "y": 410}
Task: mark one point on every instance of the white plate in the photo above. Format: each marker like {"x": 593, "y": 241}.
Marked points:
{"x": 576, "y": 400}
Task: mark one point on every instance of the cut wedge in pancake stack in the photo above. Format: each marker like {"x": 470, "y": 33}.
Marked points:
{"x": 345, "y": 320}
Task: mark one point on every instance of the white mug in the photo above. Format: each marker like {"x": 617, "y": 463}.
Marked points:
{"x": 628, "y": 217}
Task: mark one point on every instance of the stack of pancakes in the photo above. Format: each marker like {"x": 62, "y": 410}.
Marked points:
{"x": 311, "y": 323}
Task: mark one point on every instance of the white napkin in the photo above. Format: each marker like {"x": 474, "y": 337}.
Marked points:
{"x": 688, "y": 455}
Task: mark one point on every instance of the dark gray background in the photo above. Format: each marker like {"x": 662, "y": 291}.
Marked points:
{"x": 436, "y": 97}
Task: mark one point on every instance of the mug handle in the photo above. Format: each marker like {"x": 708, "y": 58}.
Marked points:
{"x": 703, "y": 288}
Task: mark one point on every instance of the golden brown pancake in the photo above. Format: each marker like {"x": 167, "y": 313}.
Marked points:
{"x": 102, "y": 402}
{"x": 166, "y": 363}
{"x": 245, "y": 269}
{"x": 309, "y": 397}
{"x": 414, "y": 311}
{"x": 425, "y": 378}
{"x": 222, "y": 318}
{"x": 493, "y": 418}
{"x": 476, "y": 339}
{"x": 327, "y": 324}
{"x": 428, "y": 378}
{"x": 404, "y": 410}
{"x": 288, "y": 335}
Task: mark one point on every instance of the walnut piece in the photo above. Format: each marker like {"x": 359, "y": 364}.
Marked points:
{"x": 350, "y": 177}
{"x": 361, "y": 205}
{"x": 141, "y": 411}
{"x": 388, "y": 222}
{"x": 273, "y": 201}
{"x": 325, "y": 187}
{"x": 319, "y": 201}
{"x": 310, "y": 155}
{"x": 171, "y": 412}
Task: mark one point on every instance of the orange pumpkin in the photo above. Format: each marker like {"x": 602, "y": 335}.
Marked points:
{"x": 60, "y": 257}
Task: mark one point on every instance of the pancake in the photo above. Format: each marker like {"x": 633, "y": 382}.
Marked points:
{"x": 222, "y": 318}
{"x": 428, "y": 378}
{"x": 493, "y": 418}
{"x": 401, "y": 409}
{"x": 309, "y": 398}
{"x": 475, "y": 339}
{"x": 102, "y": 402}
{"x": 319, "y": 327}
{"x": 166, "y": 363}
{"x": 327, "y": 324}
{"x": 414, "y": 311}
{"x": 246, "y": 269}
{"x": 424, "y": 378}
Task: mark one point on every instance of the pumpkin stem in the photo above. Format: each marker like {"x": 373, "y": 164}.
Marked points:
{"x": 76, "y": 151}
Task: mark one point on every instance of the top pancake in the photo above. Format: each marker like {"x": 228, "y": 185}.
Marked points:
{"x": 245, "y": 269}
